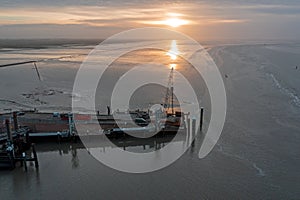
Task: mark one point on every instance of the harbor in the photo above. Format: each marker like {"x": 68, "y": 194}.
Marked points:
{"x": 23, "y": 127}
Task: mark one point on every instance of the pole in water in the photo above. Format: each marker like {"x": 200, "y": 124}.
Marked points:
{"x": 15, "y": 117}
{"x": 11, "y": 158}
{"x": 24, "y": 160}
{"x": 193, "y": 130}
{"x": 201, "y": 118}
{"x": 7, "y": 124}
{"x": 27, "y": 137}
{"x": 36, "y": 163}
{"x": 37, "y": 71}
{"x": 188, "y": 121}
{"x": 172, "y": 99}
{"x": 108, "y": 110}
{"x": 70, "y": 118}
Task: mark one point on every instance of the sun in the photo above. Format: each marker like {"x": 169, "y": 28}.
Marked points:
{"x": 175, "y": 22}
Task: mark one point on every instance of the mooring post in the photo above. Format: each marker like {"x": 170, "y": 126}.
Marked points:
{"x": 36, "y": 163}
{"x": 24, "y": 160}
{"x": 9, "y": 136}
{"x": 10, "y": 147}
{"x": 27, "y": 137}
{"x": 188, "y": 124}
{"x": 188, "y": 121}
{"x": 108, "y": 110}
{"x": 58, "y": 137}
{"x": 12, "y": 159}
{"x": 201, "y": 118}
{"x": 15, "y": 117}
{"x": 157, "y": 126}
{"x": 71, "y": 122}
{"x": 193, "y": 130}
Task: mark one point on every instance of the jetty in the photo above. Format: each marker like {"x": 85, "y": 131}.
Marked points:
{"x": 16, "y": 147}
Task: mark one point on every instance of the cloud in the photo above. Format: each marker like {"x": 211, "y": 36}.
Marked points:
{"x": 25, "y": 18}
{"x": 68, "y": 31}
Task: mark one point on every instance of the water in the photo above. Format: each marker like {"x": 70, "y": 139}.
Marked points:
{"x": 257, "y": 156}
{"x": 68, "y": 171}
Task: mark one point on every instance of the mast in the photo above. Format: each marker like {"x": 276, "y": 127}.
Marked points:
{"x": 172, "y": 100}
{"x": 172, "y": 90}
{"x": 169, "y": 98}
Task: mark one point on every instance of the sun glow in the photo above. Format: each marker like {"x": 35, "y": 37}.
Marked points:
{"x": 173, "y": 66}
{"x": 175, "y": 22}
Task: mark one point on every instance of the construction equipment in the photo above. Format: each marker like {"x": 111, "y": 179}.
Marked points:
{"x": 169, "y": 98}
{"x": 34, "y": 62}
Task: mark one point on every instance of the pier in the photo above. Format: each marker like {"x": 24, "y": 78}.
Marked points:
{"x": 17, "y": 147}
{"x": 23, "y": 127}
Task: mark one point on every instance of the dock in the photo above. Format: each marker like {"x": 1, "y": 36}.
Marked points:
{"x": 16, "y": 146}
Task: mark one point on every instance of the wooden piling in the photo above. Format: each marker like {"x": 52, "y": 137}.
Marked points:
{"x": 108, "y": 110}
{"x": 24, "y": 160}
{"x": 201, "y": 118}
{"x": 27, "y": 139}
{"x": 15, "y": 117}
{"x": 70, "y": 120}
{"x": 59, "y": 138}
{"x": 8, "y": 132}
{"x": 11, "y": 159}
{"x": 188, "y": 121}
{"x": 36, "y": 163}
{"x": 193, "y": 130}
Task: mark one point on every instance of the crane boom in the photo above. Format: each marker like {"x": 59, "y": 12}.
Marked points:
{"x": 169, "y": 97}
{"x": 36, "y": 61}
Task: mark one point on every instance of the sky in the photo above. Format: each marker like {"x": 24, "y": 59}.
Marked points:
{"x": 202, "y": 20}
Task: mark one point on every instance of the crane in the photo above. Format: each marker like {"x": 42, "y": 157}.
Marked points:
{"x": 22, "y": 63}
{"x": 169, "y": 97}
{"x": 36, "y": 61}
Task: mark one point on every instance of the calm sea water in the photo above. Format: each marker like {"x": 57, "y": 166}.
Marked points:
{"x": 257, "y": 156}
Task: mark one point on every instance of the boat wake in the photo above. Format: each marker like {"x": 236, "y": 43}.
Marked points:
{"x": 292, "y": 95}
{"x": 260, "y": 172}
